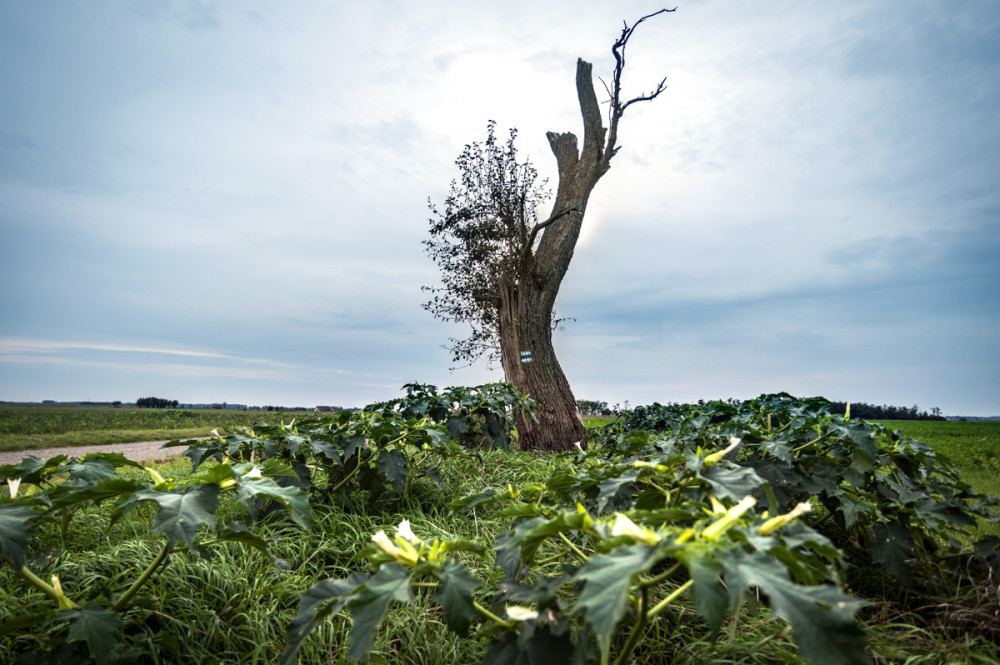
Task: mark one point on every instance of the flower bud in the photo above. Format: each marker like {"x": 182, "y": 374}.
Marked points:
{"x": 623, "y": 526}
{"x": 723, "y": 524}
{"x": 520, "y": 613}
{"x": 383, "y": 541}
{"x": 64, "y": 602}
{"x": 717, "y": 456}
{"x": 781, "y": 520}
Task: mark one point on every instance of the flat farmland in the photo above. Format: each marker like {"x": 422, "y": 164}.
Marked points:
{"x": 31, "y": 427}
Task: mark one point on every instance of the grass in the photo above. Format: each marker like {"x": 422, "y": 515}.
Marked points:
{"x": 31, "y": 427}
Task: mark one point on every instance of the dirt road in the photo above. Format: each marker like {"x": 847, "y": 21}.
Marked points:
{"x": 138, "y": 452}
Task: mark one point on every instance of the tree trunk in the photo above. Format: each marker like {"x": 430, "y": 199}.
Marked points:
{"x": 526, "y": 328}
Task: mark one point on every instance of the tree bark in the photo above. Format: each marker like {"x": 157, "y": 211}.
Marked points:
{"x": 526, "y": 327}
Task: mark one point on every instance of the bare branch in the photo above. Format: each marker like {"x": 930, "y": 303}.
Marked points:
{"x": 646, "y": 98}
{"x": 617, "y": 108}
{"x": 530, "y": 242}
{"x": 606, "y": 88}
{"x": 553, "y": 218}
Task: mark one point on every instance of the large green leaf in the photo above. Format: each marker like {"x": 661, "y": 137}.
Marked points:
{"x": 454, "y": 592}
{"x": 822, "y": 617}
{"x": 710, "y": 598}
{"x": 607, "y": 578}
{"x": 22, "y": 469}
{"x": 394, "y": 465}
{"x": 217, "y": 473}
{"x": 894, "y": 546}
{"x": 322, "y": 600}
{"x": 96, "y": 626}
{"x": 15, "y": 529}
{"x": 237, "y": 532}
{"x": 106, "y": 488}
{"x": 613, "y": 489}
{"x": 180, "y": 514}
{"x": 89, "y": 469}
{"x": 733, "y": 482}
{"x": 31, "y": 469}
{"x": 294, "y": 499}
{"x": 115, "y": 459}
{"x": 391, "y": 582}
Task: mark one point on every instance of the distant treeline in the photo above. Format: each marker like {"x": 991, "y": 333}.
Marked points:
{"x": 589, "y": 407}
{"x": 156, "y": 403}
{"x": 885, "y": 412}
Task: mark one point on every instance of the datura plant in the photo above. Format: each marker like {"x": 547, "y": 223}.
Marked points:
{"x": 63, "y": 487}
{"x": 583, "y": 577}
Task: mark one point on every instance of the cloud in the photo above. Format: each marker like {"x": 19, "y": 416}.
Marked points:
{"x": 8, "y": 345}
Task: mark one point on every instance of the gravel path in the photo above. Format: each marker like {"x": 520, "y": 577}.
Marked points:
{"x": 145, "y": 450}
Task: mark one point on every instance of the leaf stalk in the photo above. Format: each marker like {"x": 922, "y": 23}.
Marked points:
{"x": 45, "y": 588}
{"x": 123, "y": 601}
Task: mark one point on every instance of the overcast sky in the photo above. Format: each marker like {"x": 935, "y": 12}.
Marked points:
{"x": 224, "y": 201}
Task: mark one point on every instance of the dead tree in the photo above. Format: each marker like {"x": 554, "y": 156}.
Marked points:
{"x": 510, "y": 295}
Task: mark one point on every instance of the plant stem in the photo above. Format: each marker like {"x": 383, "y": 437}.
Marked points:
{"x": 64, "y": 525}
{"x": 146, "y": 574}
{"x": 640, "y": 624}
{"x": 660, "y": 606}
{"x": 653, "y": 581}
{"x": 347, "y": 477}
{"x": 572, "y": 546}
{"x": 806, "y": 445}
{"x": 492, "y": 617}
{"x": 43, "y": 586}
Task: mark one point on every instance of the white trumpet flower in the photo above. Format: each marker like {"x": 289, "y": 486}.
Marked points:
{"x": 406, "y": 532}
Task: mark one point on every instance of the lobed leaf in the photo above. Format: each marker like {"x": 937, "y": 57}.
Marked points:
{"x": 96, "y": 626}
{"x": 15, "y": 530}
{"x": 822, "y": 617}
{"x": 391, "y": 582}
{"x": 324, "y": 599}
{"x": 454, "y": 593}
{"x": 294, "y": 499}
{"x": 180, "y": 514}
{"x": 607, "y": 579}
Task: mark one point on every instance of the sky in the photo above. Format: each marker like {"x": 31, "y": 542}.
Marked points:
{"x": 225, "y": 201}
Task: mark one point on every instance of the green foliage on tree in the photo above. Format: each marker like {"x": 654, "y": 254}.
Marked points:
{"x": 156, "y": 403}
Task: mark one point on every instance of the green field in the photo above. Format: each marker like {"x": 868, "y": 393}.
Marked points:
{"x": 31, "y": 427}
{"x": 973, "y": 448}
